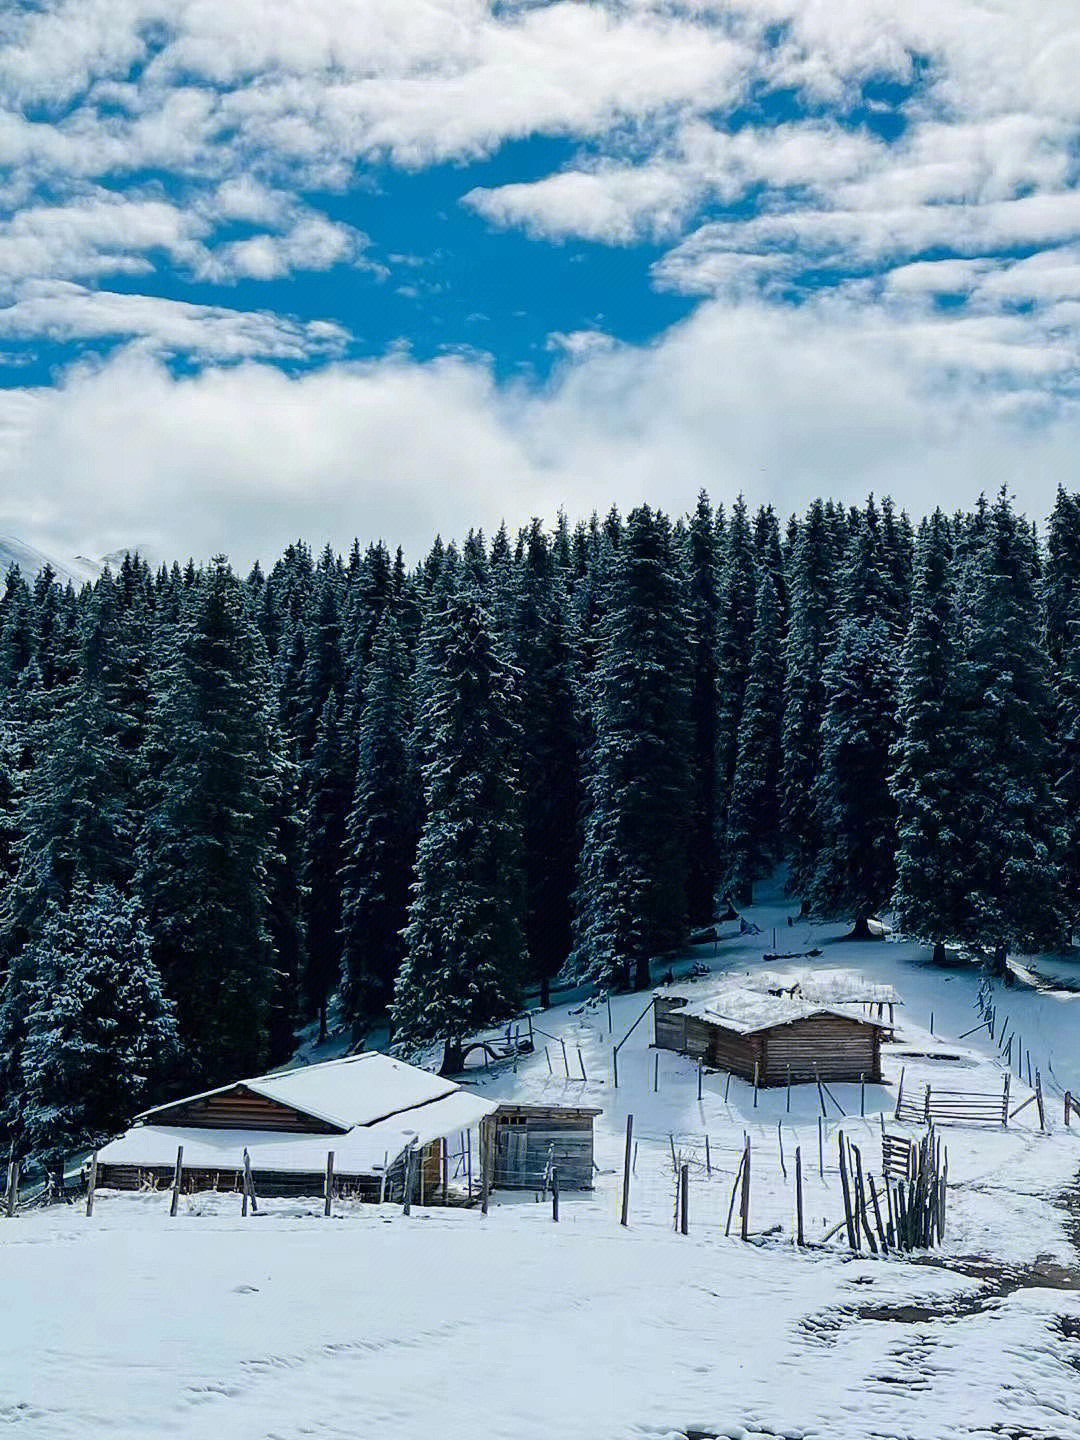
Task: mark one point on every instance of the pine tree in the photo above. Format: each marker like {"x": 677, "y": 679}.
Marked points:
{"x": 381, "y": 835}
{"x": 550, "y": 755}
{"x": 753, "y": 819}
{"x": 327, "y": 807}
{"x": 208, "y": 832}
{"x": 701, "y": 564}
{"x": 931, "y": 777}
{"x": 1012, "y": 882}
{"x": 1061, "y": 584}
{"x": 735, "y": 627}
{"x": 806, "y": 651}
{"x": 99, "y": 1037}
{"x": 465, "y": 946}
{"x": 632, "y": 890}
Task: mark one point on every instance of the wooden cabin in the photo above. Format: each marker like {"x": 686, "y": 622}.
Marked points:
{"x": 368, "y": 1109}
{"x": 524, "y": 1142}
{"x": 770, "y": 1028}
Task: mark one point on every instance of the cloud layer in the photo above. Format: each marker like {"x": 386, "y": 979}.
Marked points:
{"x": 874, "y": 209}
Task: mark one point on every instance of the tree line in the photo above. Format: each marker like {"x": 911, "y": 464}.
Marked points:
{"x": 418, "y": 792}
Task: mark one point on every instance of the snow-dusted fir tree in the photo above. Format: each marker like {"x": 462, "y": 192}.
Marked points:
{"x": 753, "y": 817}
{"x": 324, "y": 833}
{"x": 100, "y": 1036}
{"x": 465, "y": 943}
{"x": 701, "y": 567}
{"x": 534, "y": 607}
{"x": 380, "y": 839}
{"x": 1061, "y": 581}
{"x": 209, "y": 829}
{"x": 1013, "y": 887}
{"x": 933, "y": 756}
{"x": 856, "y": 814}
{"x": 811, "y": 588}
{"x": 734, "y": 642}
{"x": 1067, "y": 734}
{"x": 631, "y": 901}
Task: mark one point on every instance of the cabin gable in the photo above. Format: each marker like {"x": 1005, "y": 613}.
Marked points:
{"x": 241, "y": 1108}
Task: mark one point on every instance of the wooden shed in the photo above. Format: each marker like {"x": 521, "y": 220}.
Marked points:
{"x": 370, "y": 1110}
{"x": 523, "y": 1142}
{"x": 770, "y": 1026}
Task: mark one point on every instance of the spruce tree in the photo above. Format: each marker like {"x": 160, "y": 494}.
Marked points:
{"x": 1061, "y": 583}
{"x": 753, "y": 817}
{"x": 381, "y": 835}
{"x": 931, "y": 763}
{"x": 701, "y": 565}
{"x": 208, "y": 831}
{"x": 100, "y": 1037}
{"x": 1012, "y": 882}
{"x": 735, "y": 627}
{"x": 812, "y": 568}
{"x": 465, "y": 946}
{"x": 324, "y": 833}
{"x": 632, "y": 890}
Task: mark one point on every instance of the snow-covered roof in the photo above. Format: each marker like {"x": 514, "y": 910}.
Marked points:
{"x": 764, "y": 998}
{"x": 380, "y": 1104}
{"x": 364, "y": 1150}
{"x": 356, "y": 1090}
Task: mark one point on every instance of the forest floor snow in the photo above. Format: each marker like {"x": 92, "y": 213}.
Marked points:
{"x": 447, "y": 1323}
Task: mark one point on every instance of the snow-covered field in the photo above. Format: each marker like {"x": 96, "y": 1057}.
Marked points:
{"x": 450, "y": 1324}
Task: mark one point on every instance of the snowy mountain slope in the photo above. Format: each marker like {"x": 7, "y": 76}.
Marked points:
{"x": 30, "y": 560}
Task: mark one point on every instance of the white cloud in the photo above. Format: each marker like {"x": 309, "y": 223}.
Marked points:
{"x": 61, "y": 311}
{"x": 782, "y": 404}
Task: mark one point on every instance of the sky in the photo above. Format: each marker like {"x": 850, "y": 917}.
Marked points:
{"x": 336, "y": 268}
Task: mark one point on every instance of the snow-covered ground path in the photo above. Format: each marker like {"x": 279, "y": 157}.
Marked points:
{"x": 509, "y": 1327}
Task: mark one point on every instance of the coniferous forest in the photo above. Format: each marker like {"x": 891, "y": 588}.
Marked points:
{"x": 419, "y": 793}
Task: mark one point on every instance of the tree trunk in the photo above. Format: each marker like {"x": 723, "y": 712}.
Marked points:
{"x": 322, "y": 1021}
{"x": 997, "y": 964}
{"x": 860, "y": 930}
{"x": 453, "y": 1061}
{"x": 642, "y": 978}
{"x": 545, "y": 992}
{"x": 939, "y": 952}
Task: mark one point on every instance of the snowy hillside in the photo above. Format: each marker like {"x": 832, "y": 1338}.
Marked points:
{"x": 452, "y": 1324}
{"x": 78, "y": 571}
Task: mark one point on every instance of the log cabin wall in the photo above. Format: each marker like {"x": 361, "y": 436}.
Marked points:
{"x": 827, "y": 1047}
{"x": 669, "y": 1023}
{"x": 242, "y": 1109}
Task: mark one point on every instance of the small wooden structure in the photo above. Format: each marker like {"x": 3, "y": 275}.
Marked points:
{"x": 524, "y": 1142}
{"x": 767, "y": 1028}
{"x": 369, "y": 1109}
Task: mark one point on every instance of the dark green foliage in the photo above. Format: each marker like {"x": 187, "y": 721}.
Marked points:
{"x": 734, "y": 642}
{"x": 381, "y": 834}
{"x": 702, "y": 602}
{"x": 932, "y": 763}
{"x": 753, "y": 817}
{"x": 632, "y": 891}
{"x": 208, "y": 831}
{"x": 98, "y": 1037}
{"x": 327, "y": 807}
{"x": 465, "y": 945}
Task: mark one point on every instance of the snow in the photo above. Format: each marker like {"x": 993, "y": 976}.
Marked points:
{"x": 747, "y": 1003}
{"x": 353, "y": 1090}
{"x": 129, "y": 1324}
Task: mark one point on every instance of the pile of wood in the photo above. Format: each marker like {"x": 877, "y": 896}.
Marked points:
{"x": 910, "y": 1215}
{"x": 919, "y": 1208}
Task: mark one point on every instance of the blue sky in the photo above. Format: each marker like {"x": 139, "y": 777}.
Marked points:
{"x": 351, "y": 267}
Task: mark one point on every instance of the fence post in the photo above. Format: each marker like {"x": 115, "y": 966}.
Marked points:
{"x": 250, "y": 1183}
{"x": 581, "y": 1062}
{"x": 780, "y": 1141}
{"x": 852, "y": 1239}
{"x": 899, "y": 1095}
{"x": 12, "y": 1197}
{"x": 699, "y": 1079}
{"x": 755, "y": 1083}
{"x": 406, "y": 1199}
{"x": 862, "y": 1095}
{"x": 1068, "y": 1106}
{"x": 745, "y": 1207}
{"x": 787, "y": 1107}
{"x": 566, "y": 1063}
{"x": 615, "y": 1065}
{"x": 487, "y": 1163}
{"x": 708, "y": 1158}
{"x": 177, "y": 1173}
{"x": 625, "y": 1217}
{"x": 820, "y": 1150}
{"x": 329, "y": 1181}
{"x": 91, "y": 1184}
{"x": 1005, "y": 1104}
{"x": 1039, "y": 1100}
{"x": 684, "y": 1202}
{"x": 799, "y": 1239}
{"x": 656, "y": 1074}
{"x": 554, "y": 1192}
